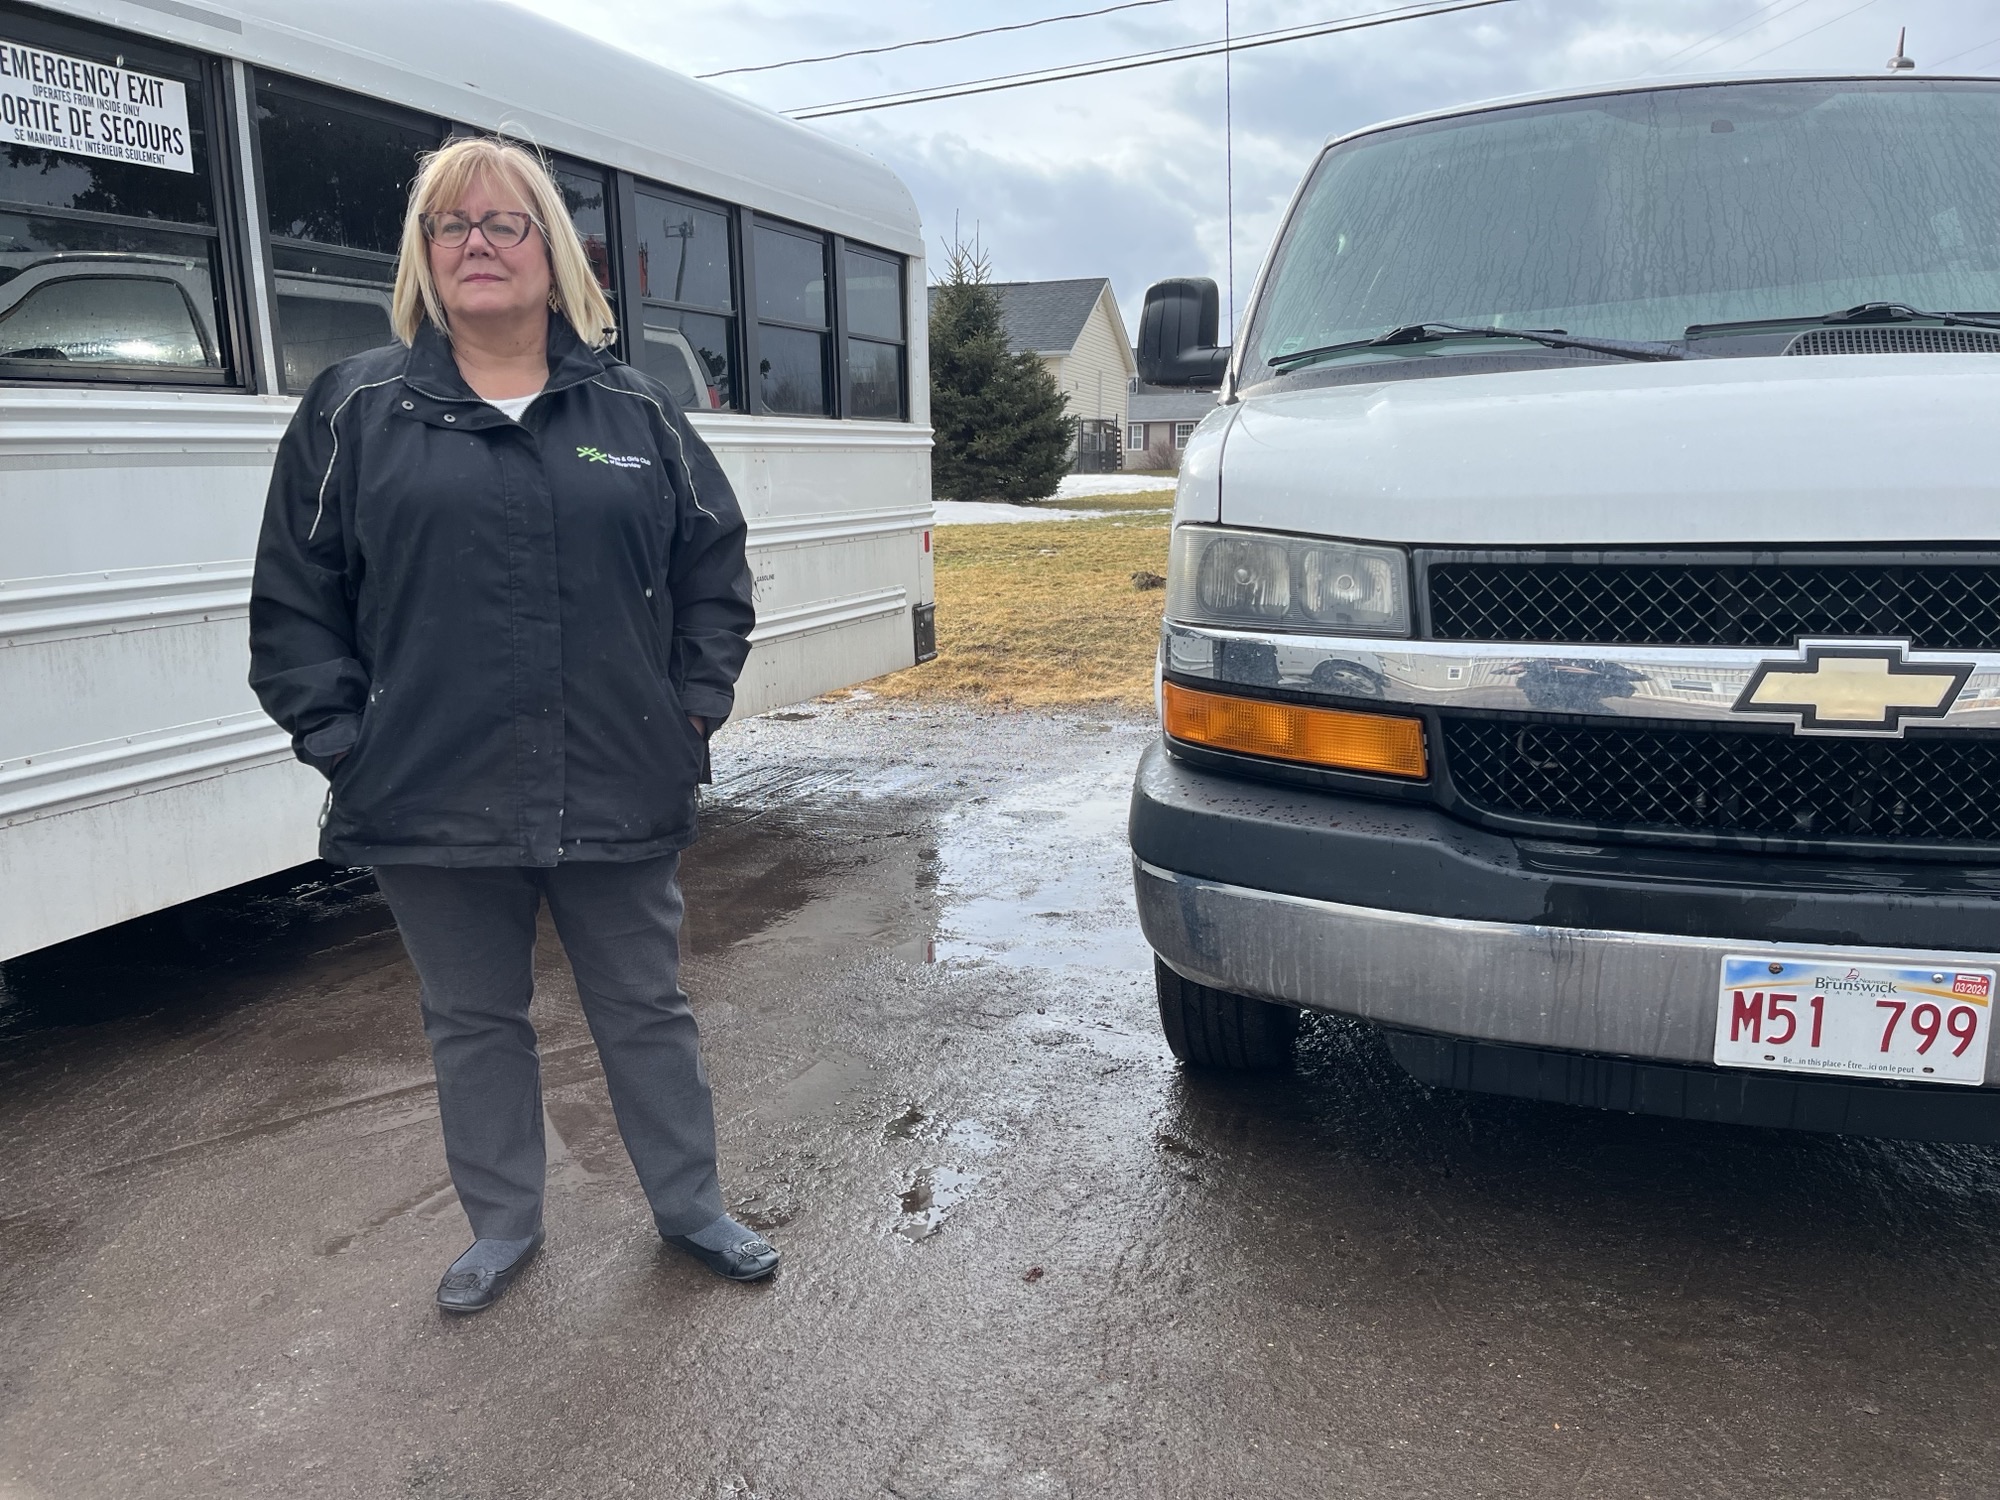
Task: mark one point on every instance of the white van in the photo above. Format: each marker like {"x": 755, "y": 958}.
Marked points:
{"x": 199, "y": 209}
{"x": 1582, "y": 654}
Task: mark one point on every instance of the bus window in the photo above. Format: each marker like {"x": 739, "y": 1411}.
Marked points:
{"x": 872, "y": 282}
{"x": 672, "y": 360}
{"x": 336, "y": 178}
{"x": 686, "y": 299}
{"x": 108, "y": 267}
{"x": 792, "y": 323}
{"x": 584, "y": 193}
{"x": 114, "y": 319}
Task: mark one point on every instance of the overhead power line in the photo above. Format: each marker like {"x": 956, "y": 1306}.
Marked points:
{"x": 1133, "y": 60}
{"x": 936, "y": 41}
{"x": 1966, "y": 53}
{"x": 1762, "y": 22}
{"x": 1742, "y": 26}
{"x": 1776, "y": 46}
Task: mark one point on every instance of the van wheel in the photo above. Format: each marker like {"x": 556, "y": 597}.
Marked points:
{"x": 1214, "y": 1029}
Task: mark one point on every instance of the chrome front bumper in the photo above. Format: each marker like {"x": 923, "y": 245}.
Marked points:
{"x": 1683, "y": 684}
{"x": 1625, "y": 994}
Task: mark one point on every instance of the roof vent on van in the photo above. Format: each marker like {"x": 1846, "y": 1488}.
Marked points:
{"x": 1899, "y": 339}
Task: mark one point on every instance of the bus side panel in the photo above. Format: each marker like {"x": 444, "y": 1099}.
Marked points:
{"x": 136, "y": 769}
{"x": 76, "y": 871}
{"x": 794, "y": 669}
{"x": 109, "y": 480}
{"x": 69, "y": 696}
{"x": 840, "y": 519}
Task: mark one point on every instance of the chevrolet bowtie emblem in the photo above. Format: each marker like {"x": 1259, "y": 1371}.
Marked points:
{"x": 1854, "y": 687}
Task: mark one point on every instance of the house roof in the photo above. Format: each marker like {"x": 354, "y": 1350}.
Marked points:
{"x": 1163, "y": 403}
{"x": 1045, "y": 317}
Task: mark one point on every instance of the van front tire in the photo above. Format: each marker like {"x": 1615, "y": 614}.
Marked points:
{"x": 1209, "y": 1028}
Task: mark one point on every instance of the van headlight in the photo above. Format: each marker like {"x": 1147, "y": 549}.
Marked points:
{"x": 1219, "y": 576}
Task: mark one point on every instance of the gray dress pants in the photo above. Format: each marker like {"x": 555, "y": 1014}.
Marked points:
{"x": 471, "y": 935}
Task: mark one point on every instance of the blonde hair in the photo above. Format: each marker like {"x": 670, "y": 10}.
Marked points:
{"x": 442, "y": 177}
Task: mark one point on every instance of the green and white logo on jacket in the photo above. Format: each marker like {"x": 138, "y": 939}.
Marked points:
{"x": 616, "y": 460}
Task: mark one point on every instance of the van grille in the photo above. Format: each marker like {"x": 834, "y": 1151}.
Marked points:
{"x": 1940, "y": 607}
{"x": 1896, "y": 340}
{"x": 1728, "y": 783}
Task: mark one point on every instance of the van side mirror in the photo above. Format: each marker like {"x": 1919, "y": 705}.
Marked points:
{"x": 1177, "y": 333}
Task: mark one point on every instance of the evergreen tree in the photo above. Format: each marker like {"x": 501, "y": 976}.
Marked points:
{"x": 998, "y": 419}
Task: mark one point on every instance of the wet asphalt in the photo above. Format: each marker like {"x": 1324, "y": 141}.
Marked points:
{"x": 1026, "y": 1255}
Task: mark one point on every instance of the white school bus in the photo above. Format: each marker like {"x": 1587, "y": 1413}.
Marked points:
{"x": 199, "y": 207}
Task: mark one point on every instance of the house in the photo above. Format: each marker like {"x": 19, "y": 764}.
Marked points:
{"x": 1159, "y": 420}
{"x": 1075, "y": 327}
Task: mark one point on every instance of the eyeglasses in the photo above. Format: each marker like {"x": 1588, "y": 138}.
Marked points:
{"x": 503, "y": 228}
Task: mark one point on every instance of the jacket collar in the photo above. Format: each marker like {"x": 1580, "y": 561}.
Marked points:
{"x": 431, "y": 371}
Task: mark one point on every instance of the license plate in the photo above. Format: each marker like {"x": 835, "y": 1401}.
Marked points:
{"x": 1922, "y": 1024}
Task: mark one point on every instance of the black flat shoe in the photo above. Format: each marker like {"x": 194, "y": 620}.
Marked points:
{"x": 475, "y": 1291}
{"x": 751, "y": 1258}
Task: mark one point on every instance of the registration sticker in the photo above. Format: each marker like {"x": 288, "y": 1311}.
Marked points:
{"x": 1925, "y": 1024}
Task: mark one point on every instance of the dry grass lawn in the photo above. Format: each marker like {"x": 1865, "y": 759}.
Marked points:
{"x": 1160, "y": 499}
{"x": 1044, "y": 613}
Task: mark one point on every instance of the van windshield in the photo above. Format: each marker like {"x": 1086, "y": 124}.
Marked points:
{"x": 1635, "y": 215}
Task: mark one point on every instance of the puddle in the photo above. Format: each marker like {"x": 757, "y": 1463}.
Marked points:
{"x": 763, "y": 1212}
{"x": 929, "y": 1200}
{"x": 813, "y": 859}
{"x": 1114, "y": 1043}
{"x": 876, "y": 906}
{"x": 825, "y": 1085}
{"x": 972, "y": 1138}
{"x": 937, "y": 1189}
{"x": 1041, "y": 877}
{"x": 813, "y": 852}
{"x": 961, "y": 1138}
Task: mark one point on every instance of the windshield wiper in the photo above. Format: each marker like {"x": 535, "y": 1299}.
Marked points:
{"x": 1866, "y": 312}
{"x": 1428, "y": 333}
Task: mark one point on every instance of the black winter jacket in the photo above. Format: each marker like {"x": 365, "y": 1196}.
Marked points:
{"x": 498, "y": 629}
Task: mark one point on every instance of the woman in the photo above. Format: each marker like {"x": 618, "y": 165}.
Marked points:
{"x": 500, "y": 602}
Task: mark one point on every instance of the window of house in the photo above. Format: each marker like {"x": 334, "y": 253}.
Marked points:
{"x": 1135, "y": 437}
{"x": 687, "y": 299}
{"x": 109, "y": 245}
{"x": 872, "y": 281}
{"x": 337, "y": 173}
{"x": 793, "y": 323}
{"x": 1182, "y": 432}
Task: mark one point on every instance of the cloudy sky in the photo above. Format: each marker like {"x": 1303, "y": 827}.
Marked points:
{"x": 1123, "y": 175}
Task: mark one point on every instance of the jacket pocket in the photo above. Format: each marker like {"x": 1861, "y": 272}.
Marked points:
{"x": 327, "y": 745}
{"x": 683, "y": 722}
{"x": 342, "y": 770}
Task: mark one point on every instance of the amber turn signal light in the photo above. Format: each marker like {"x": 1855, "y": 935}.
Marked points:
{"x": 1337, "y": 738}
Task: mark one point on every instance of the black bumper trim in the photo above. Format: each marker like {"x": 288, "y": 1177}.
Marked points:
{"x": 1720, "y": 1096}
{"x": 1330, "y": 846}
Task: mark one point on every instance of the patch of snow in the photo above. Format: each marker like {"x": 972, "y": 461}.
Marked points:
{"x": 1074, "y": 486}
{"x": 990, "y": 512}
